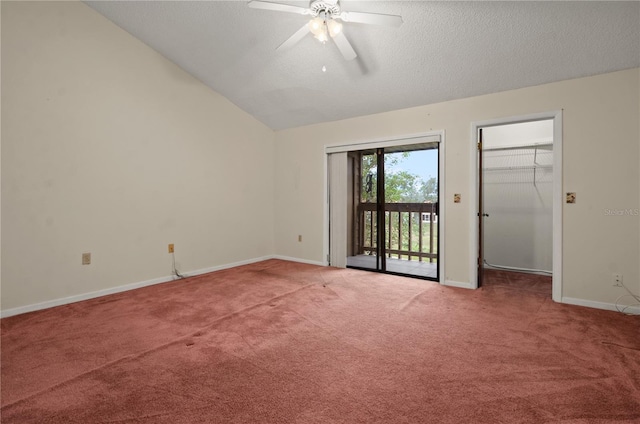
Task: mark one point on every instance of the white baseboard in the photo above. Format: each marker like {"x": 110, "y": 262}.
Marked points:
{"x": 226, "y": 266}
{"x": 302, "y": 261}
{"x": 80, "y": 297}
{"x": 91, "y": 295}
{"x": 459, "y": 284}
{"x": 599, "y": 305}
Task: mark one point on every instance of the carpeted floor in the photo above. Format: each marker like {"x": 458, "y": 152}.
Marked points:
{"x": 281, "y": 342}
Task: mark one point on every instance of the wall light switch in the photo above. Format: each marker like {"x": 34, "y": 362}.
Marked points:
{"x": 571, "y": 197}
{"x": 86, "y": 259}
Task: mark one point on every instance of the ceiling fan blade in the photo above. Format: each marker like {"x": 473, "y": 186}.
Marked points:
{"x": 372, "y": 18}
{"x": 344, "y": 46}
{"x": 297, "y": 36}
{"x": 278, "y": 7}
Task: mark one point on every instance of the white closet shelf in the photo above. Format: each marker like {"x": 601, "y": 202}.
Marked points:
{"x": 513, "y": 168}
{"x": 545, "y": 146}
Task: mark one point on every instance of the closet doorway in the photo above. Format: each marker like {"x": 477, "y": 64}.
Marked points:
{"x": 519, "y": 203}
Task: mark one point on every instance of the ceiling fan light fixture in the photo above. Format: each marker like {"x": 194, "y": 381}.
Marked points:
{"x": 335, "y": 27}
{"x": 316, "y": 26}
{"x": 322, "y": 37}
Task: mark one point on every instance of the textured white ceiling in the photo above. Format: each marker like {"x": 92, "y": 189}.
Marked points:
{"x": 443, "y": 51}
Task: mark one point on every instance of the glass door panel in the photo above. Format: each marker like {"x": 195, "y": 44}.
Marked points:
{"x": 411, "y": 199}
{"x": 365, "y": 199}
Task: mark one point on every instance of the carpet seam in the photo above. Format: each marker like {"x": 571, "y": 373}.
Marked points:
{"x": 154, "y": 349}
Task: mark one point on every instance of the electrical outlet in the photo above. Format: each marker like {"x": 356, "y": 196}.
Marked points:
{"x": 170, "y": 248}
{"x": 617, "y": 280}
{"x": 86, "y": 259}
{"x": 300, "y": 237}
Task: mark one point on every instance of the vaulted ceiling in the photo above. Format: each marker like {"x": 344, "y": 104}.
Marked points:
{"x": 443, "y": 51}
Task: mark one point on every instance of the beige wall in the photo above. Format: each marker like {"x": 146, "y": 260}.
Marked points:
{"x": 600, "y": 147}
{"x": 109, "y": 148}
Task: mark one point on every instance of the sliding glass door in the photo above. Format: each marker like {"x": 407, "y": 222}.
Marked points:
{"x": 393, "y": 210}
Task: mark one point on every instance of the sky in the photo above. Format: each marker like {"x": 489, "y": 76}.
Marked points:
{"x": 423, "y": 163}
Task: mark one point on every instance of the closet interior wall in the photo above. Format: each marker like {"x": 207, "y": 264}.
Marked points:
{"x": 518, "y": 190}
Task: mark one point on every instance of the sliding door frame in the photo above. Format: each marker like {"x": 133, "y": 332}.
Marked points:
{"x": 381, "y": 257}
{"x": 556, "y": 116}
{"x": 402, "y": 140}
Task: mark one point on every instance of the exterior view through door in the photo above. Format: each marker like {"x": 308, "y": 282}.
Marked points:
{"x": 392, "y": 210}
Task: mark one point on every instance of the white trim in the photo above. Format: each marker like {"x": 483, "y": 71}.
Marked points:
{"x": 325, "y": 232}
{"x": 442, "y": 213}
{"x": 474, "y": 254}
{"x": 80, "y": 297}
{"x": 598, "y": 305}
{"x": 119, "y": 289}
{"x": 427, "y": 137}
{"x": 226, "y": 266}
{"x": 451, "y": 283}
{"x": 557, "y": 194}
{"x": 299, "y": 260}
{"x": 556, "y": 279}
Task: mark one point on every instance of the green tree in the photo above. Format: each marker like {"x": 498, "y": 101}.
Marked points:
{"x": 400, "y": 186}
{"x": 429, "y": 190}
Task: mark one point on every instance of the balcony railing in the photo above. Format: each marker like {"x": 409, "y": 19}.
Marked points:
{"x": 411, "y": 230}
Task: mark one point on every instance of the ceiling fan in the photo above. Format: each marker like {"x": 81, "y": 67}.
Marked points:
{"x": 324, "y": 24}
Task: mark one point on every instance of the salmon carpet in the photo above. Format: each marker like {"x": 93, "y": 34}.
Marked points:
{"x": 283, "y": 342}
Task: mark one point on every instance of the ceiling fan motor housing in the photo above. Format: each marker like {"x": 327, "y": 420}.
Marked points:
{"x": 328, "y": 7}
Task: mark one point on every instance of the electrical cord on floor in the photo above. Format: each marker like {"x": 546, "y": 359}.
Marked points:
{"x": 625, "y": 308}
{"x": 513, "y": 268}
{"x": 175, "y": 270}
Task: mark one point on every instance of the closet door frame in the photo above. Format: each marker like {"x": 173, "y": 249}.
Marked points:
{"x": 556, "y": 116}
